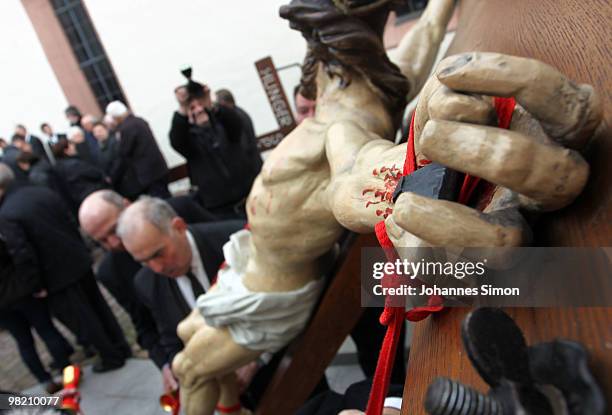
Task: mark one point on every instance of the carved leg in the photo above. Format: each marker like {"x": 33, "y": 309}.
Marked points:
{"x": 230, "y": 394}
{"x": 200, "y": 398}
{"x": 209, "y": 353}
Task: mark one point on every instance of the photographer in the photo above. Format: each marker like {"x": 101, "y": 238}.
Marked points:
{"x": 209, "y": 137}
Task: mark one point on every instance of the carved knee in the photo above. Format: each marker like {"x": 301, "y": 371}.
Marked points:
{"x": 188, "y": 326}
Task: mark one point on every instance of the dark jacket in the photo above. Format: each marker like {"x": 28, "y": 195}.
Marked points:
{"x": 10, "y": 154}
{"x": 249, "y": 141}
{"x": 162, "y": 295}
{"x": 78, "y": 179}
{"x": 52, "y": 233}
{"x": 218, "y": 164}
{"x": 93, "y": 149}
{"x": 117, "y": 271}
{"x": 19, "y": 273}
{"x": 42, "y": 173}
{"x": 140, "y": 162}
{"x": 38, "y": 148}
{"x": 109, "y": 153}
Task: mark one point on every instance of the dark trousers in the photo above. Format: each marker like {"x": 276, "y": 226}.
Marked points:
{"x": 158, "y": 188}
{"x": 123, "y": 291}
{"x": 33, "y": 313}
{"x": 229, "y": 212}
{"x": 84, "y": 310}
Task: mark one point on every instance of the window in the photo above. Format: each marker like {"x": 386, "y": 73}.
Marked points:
{"x": 88, "y": 51}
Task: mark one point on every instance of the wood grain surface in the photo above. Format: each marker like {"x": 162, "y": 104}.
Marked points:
{"x": 576, "y": 38}
{"x": 309, "y": 355}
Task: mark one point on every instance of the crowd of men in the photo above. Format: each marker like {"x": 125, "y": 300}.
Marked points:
{"x": 105, "y": 183}
{"x": 63, "y": 193}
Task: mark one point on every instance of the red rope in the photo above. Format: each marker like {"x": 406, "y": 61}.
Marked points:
{"x": 228, "y": 409}
{"x": 393, "y": 317}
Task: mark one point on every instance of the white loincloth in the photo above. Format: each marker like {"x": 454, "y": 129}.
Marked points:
{"x": 264, "y": 321}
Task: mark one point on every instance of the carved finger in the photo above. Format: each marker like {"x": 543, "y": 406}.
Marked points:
{"x": 450, "y": 224}
{"x": 421, "y": 113}
{"x": 551, "y": 175}
{"x": 569, "y": 113}
{"x": 437, "y": 101}
{"x": 400, "y": 236}
{"x": 445, "y": 104}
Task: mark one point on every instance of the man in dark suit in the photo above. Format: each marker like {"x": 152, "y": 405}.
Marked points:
{"x": 21, "y": 310}
{"x": 181, "y": 261}
{"x": 11, "y": 156}
{"x": 65, "y": 267}
{"x": 249, "y": 140}
{"x": 98, "y": 216}
{"x": 141, "y": 168}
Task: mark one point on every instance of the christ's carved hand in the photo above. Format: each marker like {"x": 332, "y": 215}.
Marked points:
{"x": 536, "y": 165}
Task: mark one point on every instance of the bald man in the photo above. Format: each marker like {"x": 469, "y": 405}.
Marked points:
{"x": 98, "y": 217}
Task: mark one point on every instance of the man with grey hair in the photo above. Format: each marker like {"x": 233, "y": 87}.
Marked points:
{"x": 141, "y": 168}
{"x": 98, "y": 217}
{"x": 65, "y": 267}
{"x": 179, "y": 263}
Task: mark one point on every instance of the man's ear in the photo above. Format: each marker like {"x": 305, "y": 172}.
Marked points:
{"x": 179, "y": 224}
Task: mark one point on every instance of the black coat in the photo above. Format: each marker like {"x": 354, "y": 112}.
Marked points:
{"x": 218, "y": 164}
{"x": 140, "y": 162}
{"x": 190, "y": 210}
{"x": 109, "y": 153}
{"x": 164, "y": 298}
{"x": 249, "y": 141}
{"x": 9, "y": 157}
{"x": 78, "y": 179}
{"x": 38, "y": 148}
{"x": 52, "y": 233}
{"x": 19, "y": 273}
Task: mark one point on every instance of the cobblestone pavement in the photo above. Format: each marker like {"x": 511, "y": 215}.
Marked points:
{"x": 15, "y": 376}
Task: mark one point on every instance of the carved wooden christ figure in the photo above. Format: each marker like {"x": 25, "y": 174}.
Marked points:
{"x": 338, "y": 170}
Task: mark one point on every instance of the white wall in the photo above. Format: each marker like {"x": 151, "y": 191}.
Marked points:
{"x": 29, "y": 91}
{"x": 149, "y": 41}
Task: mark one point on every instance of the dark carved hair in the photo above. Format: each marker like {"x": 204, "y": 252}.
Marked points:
{"x": 345, "y": 42}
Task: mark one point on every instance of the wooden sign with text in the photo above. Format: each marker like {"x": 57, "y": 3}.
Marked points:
{"x": 278, "y": 101}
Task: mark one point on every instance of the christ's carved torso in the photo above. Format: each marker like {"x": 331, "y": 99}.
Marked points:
{"x": 289, "y": 210}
